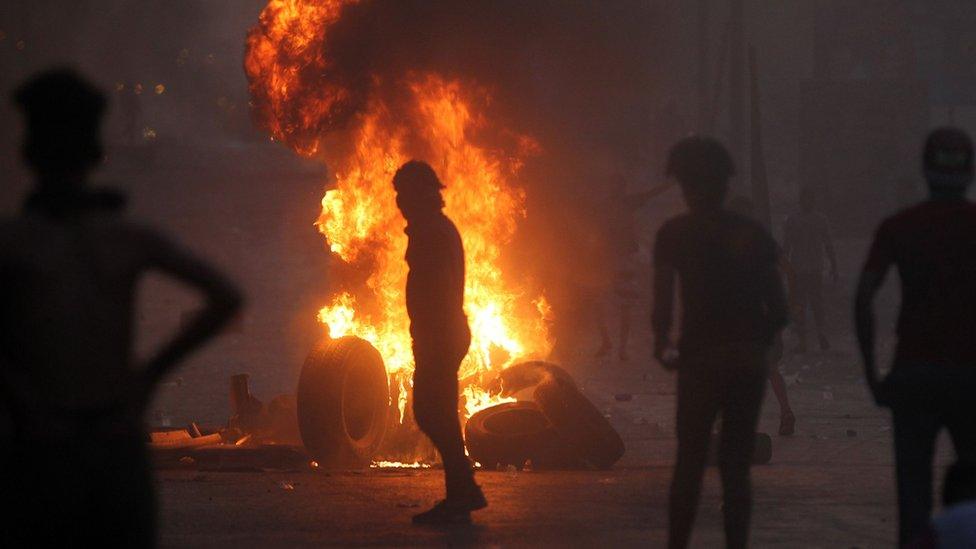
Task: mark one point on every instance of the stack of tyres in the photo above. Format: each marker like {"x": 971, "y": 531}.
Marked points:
{"x": 560, "y": 429}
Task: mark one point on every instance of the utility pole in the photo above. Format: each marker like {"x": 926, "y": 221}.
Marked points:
{"x": 737, "y": 133}
{"x": 704, "y": 98}
{"x": 760, "y": 183}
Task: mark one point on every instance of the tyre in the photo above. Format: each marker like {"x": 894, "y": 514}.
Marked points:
{"x": 343, "y": 403}
{"x": 579, "y": 424}
{"x": 511, "y": 434}
{"x": 526, "y": 375}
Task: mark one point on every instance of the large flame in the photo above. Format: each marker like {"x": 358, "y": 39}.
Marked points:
{"x": 295, "y": 100}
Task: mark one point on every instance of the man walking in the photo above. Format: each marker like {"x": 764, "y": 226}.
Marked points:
{"x": 933, "y": 379}
{"x": 440, "y": 333}
{"x": 733, "y": 307}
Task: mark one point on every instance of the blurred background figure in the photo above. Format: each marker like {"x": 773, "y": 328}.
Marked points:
{"x": 621, "y": 246}
{"x": 75, "y": 466}
{"x": 806, "y": 244}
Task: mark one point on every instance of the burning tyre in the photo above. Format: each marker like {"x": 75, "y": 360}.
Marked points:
{"x": 343, "y": 402}
{"x": 579, "y": 424}
{"x": 511, "y": 434}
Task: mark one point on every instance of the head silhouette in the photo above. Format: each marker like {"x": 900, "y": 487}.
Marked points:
{"x": 948, "y": 161}
{"x": 63, "y": 114}
{"x": 703, "y": 168}
{"x": 418, "y": 190}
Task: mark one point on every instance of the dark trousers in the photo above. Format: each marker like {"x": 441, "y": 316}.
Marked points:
{"x": 435, "y": 407}
{"x": 809, "y": 295}
{"x": 730, "y": 382}
{"x": 926, "y": 400}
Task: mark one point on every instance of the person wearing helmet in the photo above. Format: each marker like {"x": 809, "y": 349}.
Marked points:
{"x": 440, "y": 334}
{"x": 933, "y": 376}
{"x": 733, "y": 306}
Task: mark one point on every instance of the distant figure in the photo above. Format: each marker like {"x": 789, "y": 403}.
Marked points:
{"x": 76, "y": 471}
{"x": 622, "y": 247}
{"x": 787, "y": 419}
{"x": 732, "y": 309}
{"x": 932, "y": 381}
{"x": 806, "y": 243}
{"x": 439, "y": 329}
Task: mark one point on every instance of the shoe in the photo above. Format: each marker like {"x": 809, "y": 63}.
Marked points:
{"x": 471, "y": 499}
{"x": 442, "y": 514}
{"x": 456, "y": 509}
{"x": 787, "y": 424}
{"x": 824, "y": 344}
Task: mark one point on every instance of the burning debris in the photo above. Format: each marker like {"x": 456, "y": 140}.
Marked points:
{"x": 303, "y": 102}
{"x": 345, "y": 410}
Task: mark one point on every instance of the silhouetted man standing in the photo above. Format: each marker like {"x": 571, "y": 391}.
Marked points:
{"x": 932, "y": 382}
{"x": 806, "y": 244}
{"x": 75, "y": 467}
{"x": 439, "y": 329}
{"x": 733, "y": 306}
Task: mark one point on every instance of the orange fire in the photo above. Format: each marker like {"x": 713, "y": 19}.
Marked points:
{"x": 297, "y": 102}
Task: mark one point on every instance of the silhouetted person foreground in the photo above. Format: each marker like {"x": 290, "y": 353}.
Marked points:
{"x": 733, "y": 307}
{"x": 75, "y": 467}
{"x": 440, "y": 333}
{"x": 932, "y": 382}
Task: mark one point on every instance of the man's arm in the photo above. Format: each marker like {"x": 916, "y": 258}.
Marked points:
{"x": 662, "y": 314}
{"x": 872, "y": 277}
{"x": 868, "y": 285}
{"x": 222, "y": 301}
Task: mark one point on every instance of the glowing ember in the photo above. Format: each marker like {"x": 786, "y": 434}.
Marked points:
{"x": 297, "y": 102}
{"x": 398, "y": 465}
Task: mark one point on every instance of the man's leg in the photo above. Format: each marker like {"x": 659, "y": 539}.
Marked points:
{"x": 740, "y": 416}
{"x": 958, "y": 419}
{"x": 814, "y": 286}
{"x": 697, "y": 407}
{"x": 800, "y": 320}
{"x": 915, "y": 432}
{"x": 787, "y": 420}
{"x": 435, "y": 398}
